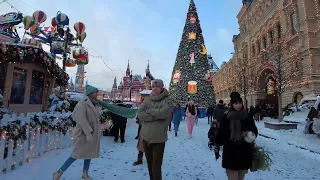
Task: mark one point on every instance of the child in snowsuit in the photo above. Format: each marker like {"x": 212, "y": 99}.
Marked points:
{"x": 212, "y": 134}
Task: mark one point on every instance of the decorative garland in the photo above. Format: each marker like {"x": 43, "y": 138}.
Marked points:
{"x": 19, "y": 53}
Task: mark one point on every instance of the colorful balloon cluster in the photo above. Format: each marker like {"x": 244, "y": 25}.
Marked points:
{"x": 35, "y": 20}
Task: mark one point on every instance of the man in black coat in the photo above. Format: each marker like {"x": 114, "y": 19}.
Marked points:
{"x": 219, "y": 111}
{"x": 210, "y": 112}
{"x": 119, "y": 123}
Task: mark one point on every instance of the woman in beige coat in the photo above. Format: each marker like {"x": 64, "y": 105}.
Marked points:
{"x": 86, "y": 134}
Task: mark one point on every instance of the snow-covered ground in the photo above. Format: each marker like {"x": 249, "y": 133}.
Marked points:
{"x": 292, "y": 137}
{"x": 298, "y": 117}
{"x": 187, "y": 159}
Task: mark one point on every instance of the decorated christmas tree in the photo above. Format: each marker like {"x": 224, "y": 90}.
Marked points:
{"x": 191, "y": 77}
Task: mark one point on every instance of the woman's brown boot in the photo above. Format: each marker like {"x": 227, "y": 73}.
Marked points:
{"x": 139, "y": 161}
{"x": 57, "y": 175}
{"x": 85, "y": 175}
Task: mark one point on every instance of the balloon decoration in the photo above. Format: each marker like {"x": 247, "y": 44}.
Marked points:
{"x": 81, "y": 55}
{"x": 62, "y": 19}
{"x": 54, "y": 22}
{"x": 82, "y": 37}
{"x": 39, "y": 17}
{"x": 56, "y": 36}
{"x": 28, "y": 22}
{"x": 192, "y": 87}
{"x": 79, "y": 27}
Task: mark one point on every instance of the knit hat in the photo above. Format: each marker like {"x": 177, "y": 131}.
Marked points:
{"x": 157, "y": 82}
{"x": 235, "y": 97}
{"x": 90, "y": 90}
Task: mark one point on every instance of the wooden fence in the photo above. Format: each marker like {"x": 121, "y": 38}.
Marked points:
{"x": 15, "y": 153}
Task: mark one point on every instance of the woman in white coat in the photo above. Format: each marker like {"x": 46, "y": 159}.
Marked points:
{"x": 86, "y": 134}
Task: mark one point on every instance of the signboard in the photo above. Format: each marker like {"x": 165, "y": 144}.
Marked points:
{"x": 8, "y": 32}
{"x": 11, "y": 19}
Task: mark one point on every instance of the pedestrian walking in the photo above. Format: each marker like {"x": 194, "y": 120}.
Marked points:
{"x": 219, "y": 111}
{"x": 197, "y": 117}
{"x": 86, "y": 134}
{"x": 177, "y": 118}
{"x": 210, "y": 112}
{"x": 119, "y": 124}
{"x": 233, "y": 134}
{"x": 191, "y": 115}
{"x": 155, "y": 114}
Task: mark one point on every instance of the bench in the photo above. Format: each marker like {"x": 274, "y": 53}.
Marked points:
{"x": 279, "y": 126}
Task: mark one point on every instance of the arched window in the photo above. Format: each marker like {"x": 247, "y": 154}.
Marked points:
{"x": 271, "y": 36}
{"x": 264, "y": 41}
{"x": 294, "y": 23}
{"x": 279, "y": 30}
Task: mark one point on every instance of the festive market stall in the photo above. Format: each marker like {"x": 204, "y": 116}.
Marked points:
{"x": 144, "y": 94}
{"x": 28, "y": 74}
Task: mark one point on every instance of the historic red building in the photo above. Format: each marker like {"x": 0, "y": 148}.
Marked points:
{"x": 135, "y": 83}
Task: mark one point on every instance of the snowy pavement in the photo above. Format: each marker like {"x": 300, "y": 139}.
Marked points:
{"x": 295, "y": 137}
{"x": 187, "y": 159}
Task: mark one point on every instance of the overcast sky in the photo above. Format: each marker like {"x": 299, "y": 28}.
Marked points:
{"x": 139, "y": 30}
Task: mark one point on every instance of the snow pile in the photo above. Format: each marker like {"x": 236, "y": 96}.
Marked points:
{"x": 298, "y": 117}
{"x": 58, "y": 103}
{"x": 295, "y": 137}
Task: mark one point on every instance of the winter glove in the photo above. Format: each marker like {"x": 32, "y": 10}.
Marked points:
{"x": 216, "y": 152}
{"x": 89, "y": 137}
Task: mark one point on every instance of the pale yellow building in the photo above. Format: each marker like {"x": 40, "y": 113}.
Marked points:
{"x": 224, "y": 81}
{"x": 263, "y": 24}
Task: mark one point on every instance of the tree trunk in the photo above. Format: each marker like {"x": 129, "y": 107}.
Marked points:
{"x": 280, "y": 107}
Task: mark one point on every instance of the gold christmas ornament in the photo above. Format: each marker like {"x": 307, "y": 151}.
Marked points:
{"x": 204, "y": 50}
{"x": 192, "y": 36}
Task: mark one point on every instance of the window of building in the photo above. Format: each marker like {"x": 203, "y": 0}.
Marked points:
{"x": 18, "y": 86}
{"x": 3, "y": 73}
{"x": 271, "y": 36}
{"x": 259, "y": 45}
{"x": 294, "y": 23}
{"x": 36, "y": 89}
{"x": 279, "y": 30}
{"x": 264, "y": 39}
{"x": 253, "y": 50}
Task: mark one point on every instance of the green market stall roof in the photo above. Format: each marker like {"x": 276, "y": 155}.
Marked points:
{"x": 20, "y": 53}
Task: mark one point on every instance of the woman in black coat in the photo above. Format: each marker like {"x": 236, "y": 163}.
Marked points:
{"x": 232, "y": 135}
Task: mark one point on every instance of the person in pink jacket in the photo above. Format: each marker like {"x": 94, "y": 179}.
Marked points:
{"x": 191, "y": 114}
